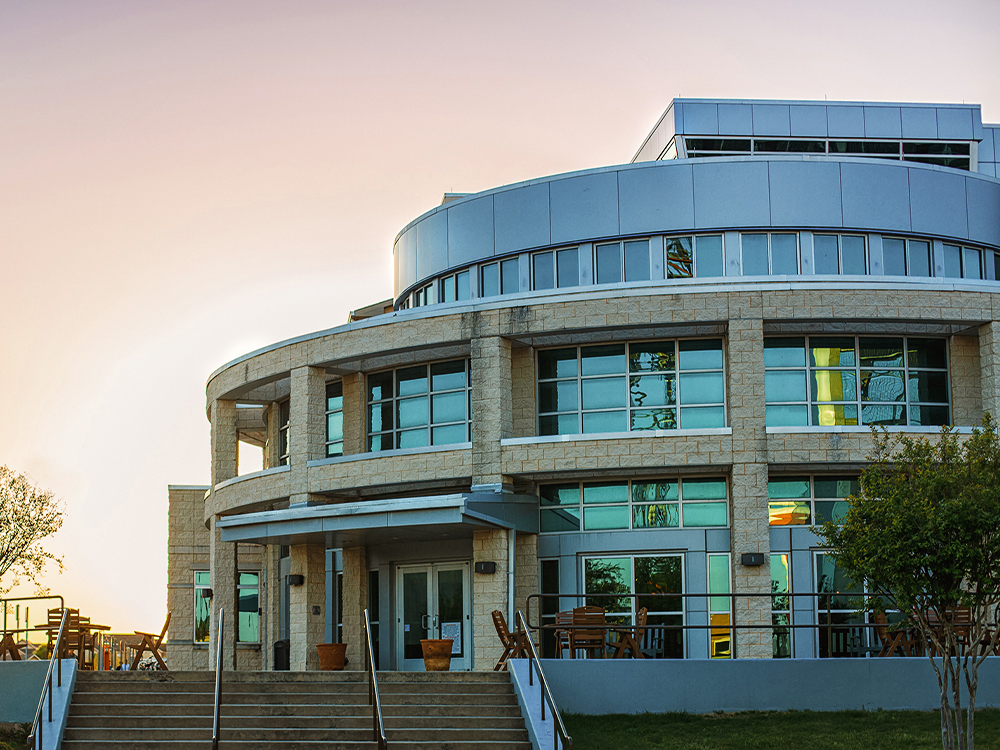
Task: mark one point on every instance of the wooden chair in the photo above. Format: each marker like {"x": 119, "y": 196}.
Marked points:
{"x": 151, "y": 642}
{"x": 564, "y": 625}
{"x": 904, "y": 642}
{"x": 589, "y": 632}
{"x": 629, "y": 638}
{"x": 8, "y": 646}
{"x": 515, "y": 645}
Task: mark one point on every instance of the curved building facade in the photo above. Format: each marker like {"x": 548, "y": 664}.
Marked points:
{"x": 646, "y": 378}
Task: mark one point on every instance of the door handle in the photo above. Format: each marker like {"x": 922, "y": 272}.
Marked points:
{"x": 425, "y": 622}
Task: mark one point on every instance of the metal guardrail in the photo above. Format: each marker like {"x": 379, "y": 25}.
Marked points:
{"x": 546, "y": 694}
{"x": 218, "y": 681}
{"x": 35, "y": 738}
{"x": 373, "y": 697}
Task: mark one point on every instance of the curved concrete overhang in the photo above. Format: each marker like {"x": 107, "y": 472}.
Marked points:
{"x": 445, "y": 330}
{"x": 699, "y": 195}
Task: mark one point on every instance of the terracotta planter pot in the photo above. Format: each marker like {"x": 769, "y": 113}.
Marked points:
{"x": 437, "y": 654}
{"x": 331, "y": 656}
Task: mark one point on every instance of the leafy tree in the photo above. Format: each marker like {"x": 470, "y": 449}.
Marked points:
{"x": 924, "y": 533}
{"x": 28, "y": 514}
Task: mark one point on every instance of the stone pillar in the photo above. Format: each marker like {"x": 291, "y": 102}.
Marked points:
{"x": 306, "y": 423}
{"x": 966, "y": 380}
{"x": 749, "y": 527}
{"x": 272, "y": 603}
{"x": 225, "y": 441}
{"x": 491, "y": 412}
{"x": 989, "y": 362}
{"x": 526, "y": 576}
{"x": 307, "y": 605}
{"x": 223, "y": 582}
{"x": 524, "y": 419}
{"x": 355, "y": 600}
{"x": 355, "y": 416}
{"x": 271, "y": 456}
{"x": 489, "y": 592}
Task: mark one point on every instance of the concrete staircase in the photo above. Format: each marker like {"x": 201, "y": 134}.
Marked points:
{"x": 294, "y": 710}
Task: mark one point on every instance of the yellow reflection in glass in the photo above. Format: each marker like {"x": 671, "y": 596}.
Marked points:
{"x": 721, "y": 637}
{"x": 787, "y": 513}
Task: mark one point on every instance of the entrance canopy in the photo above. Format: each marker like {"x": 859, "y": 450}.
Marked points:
{"x": 375, "y": 521}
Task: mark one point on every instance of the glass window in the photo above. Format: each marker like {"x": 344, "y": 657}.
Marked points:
{"x": 804, "y": 500}
{"x": 489, "y": 280}
{"x": 653, "y": 385}
{"x": 637, "y": 260}
{"x": 646, "y": 504}
{"x": 448, "y": 289}
{"x": 754, "y": 247}
{"x": 680, "y": 257}
{"x": 826, "y": 259}
{"x": 720, "y": 607}
{"x": 609, "y": 263}
{"x": 781, "y": 638}
{"x": 971, "y": 263}
{"x": 284, "y": 415}
{"x": 624, "y": 584}
{"x": 419, "y": 406}
{"x": 918, "y": 258}
{"x": 548, "y": 577}
{"x": 335, "y": 419}
{"x": 568, "y": 267}
{"x": 855, "y": 381}
{"x": 784, "y": 254}
{"x": 248, "y": 608}
{"x": 510, "y": 276}
{"x": 853, "y": 258}
{"x": 462, "y": 289}
{"x": 708, "y": 256}
{"x": 202, "y": 606}
{"x": 836, "y": 606}
{"x": 953, "y": 261}
{"x": 893, "y": 257}
{"x": 543, "y": 270}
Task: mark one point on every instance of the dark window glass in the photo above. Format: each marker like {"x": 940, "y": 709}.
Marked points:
{"x": 893, "y": 260}
{"x": 679, "y": 258}
{"x": 490, "y": 281}
{"x": 718, "y": 144}
{"x": 936, "y": 148}
{"x": 929, "y": 415}
{"x": 825, "y": 256}
{"x": 870, "y": 148}
{"x": 510, "y": 273}
{"x": 448, "y": 289}
{"x": 651, "y": 356}
{"x": 609, "y": 264}
{"x": 971, "y": 264}
{"x": 929, "y": 386}
{"x": 708, "y": 256}
{"x": 919, "y": 258}
{"x": 637, "y": 261}
{"x": 852, "y": 250}
{"x": 568, "y": 266}
{"x": 543, "y": 271}
{"x": 462, "y": 285}
{"x": 881, "y": 352}
{"x": 448, "y": 375}
{"x": 379, "y": 386}
{"x": 754, "y": 254}
{"x": 784, "y": 255}
{"x": 557, "y": 363}
{"x": 953, "y": 261}
{"x": 790, "y": 147}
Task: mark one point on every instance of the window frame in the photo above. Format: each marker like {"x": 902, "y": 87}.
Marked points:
{"x": 201, "y": 601}
{"x": 810, "y": 500}
{"x": 334, "y": 440}
{"x": 240, "y": 586}
{"x": 769, "y": 250}
{"x": 284, "y": 419}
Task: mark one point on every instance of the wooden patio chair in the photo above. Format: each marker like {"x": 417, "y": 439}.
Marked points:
{"x": 564, "y": 624}
{"x": 629, "y": 638}
{"x": 589, "y": 633}
{"x": 515, "y": 645}
{"x": 151, "y": 642}
{"x": 8, "y": 646}
{"x": 904, "y": 642}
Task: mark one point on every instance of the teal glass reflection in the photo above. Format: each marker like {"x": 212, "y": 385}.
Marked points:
{"x": 784, "y": 352}
{"x": 652, "y": 390}
{"x": 446, "y": 376}
{"x": 784, "y": 255}
{"x": 411, "y": 412}
{"x": 562, "y": 424}
{"x": 490, "y": 280}
{"x": 450, "y": 434}
{"x": 703, "y": 489}
{"x": 880, "y": 352}
{"x": 605, "y": 492}
{"x": 448, "y": 407}
{"x": 784, "y": 385}
{"x": 646, "y": 492}
{"x": 704, "y": 417}
{"x": 708, "y": 256}
{"x": 718, "y": 582}
{"x": 335, "y": 426}
{"x": 653, "y": 419}
{"x": 783, "y": 488}
{"x": 604, "y": 421}
{"x": 882, "y": 385}
{"x": 836, "y": 486}
{"x": 380, "y": 386}
{"x": 559, "y": 494}
{"x": 827, "y": 510}
{"x": 651, "y": 356}
{"x": 462, "y": 287}
{"x": 560, "y": 395}
{"x": 700, "y": 354}
{"x": 559, "y": 519}
{"x": 413, "y": 438}
{"x": 603, "y": 360}
{"x": 831, "y": 351}
{"x": 702, "y": 388}
{"x": 557, "y": 363}
{"x": 411, "y": 380}
{"x": 603, "y": 393}
{"x": 609, "y": 517}
{"x": 795, "y": 415}
{"x": 883, "y": 414}
{"x": 704, "y": 514}
{"x": 655, "y": 516}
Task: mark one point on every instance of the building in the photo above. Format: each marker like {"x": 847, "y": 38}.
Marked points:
{"x": 645, "y": 377}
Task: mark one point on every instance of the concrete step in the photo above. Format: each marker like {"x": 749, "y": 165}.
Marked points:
{"x": 357, "y": 721}
{"x": 295, "y": 745}
{"x": 319, "y": 709}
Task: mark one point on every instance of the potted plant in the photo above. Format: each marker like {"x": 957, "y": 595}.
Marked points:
{"x": 437, "y": 653}
{"x": 331, "y": 656}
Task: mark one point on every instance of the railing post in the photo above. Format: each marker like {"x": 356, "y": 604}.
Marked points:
{"x": 218, "y": 680}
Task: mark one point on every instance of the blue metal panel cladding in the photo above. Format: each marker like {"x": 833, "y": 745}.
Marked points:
{"x": 805, "y": 194}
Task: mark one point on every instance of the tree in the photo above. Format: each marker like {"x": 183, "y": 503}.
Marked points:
{"x": 924, "y": 534}
{"x": 28, "y": 514}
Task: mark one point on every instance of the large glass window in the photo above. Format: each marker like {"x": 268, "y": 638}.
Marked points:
{"x": 548, "y": 576}
{"x": 720, "y": 608}
{"x": 647, "y": 504}
{"x": 622, "y": 261}
{"x": 846, "y": 380}
{"x": 839, "y": 254}
{"x": 774, "y": 254}
{"x": 906, "y": 257}
{"x": 499, "y": 278}
{"x": 284, "y": 415}
{"x": 455, "y": 287}
{"x": 650, "y": 385}
{"x": 202, "y": 606}
{"x": 841, "y": 632}
{"x": 804, "y": 500}
{"x": 624, "y": 576}
{"x": 781, "y": 634}
{"x": 248, "y": 609}
{"x": 335, "y": 419}
{"x": 419, "y": 406}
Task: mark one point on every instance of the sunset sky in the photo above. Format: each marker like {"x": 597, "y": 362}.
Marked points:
{"x": 183, "y": 181}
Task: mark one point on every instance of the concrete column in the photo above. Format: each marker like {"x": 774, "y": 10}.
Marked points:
{"x": 749, "y": 526}
{"x": 523, "y": 415}
{"x": 489, "y": 592}
{"x": 307, "y": 418}
{"x": 271, "y": 456}
{"x": 307, "y": 605}
{"x": 966, "y": 380}
{"x": 272, "y": 604}
{"x": 223, "y": 582}
{"x": 989, "y": 362}
{"x": 355, "y": 416}
{"x": 526, "y": 576}
{"x": 355, "y": 600}
{"x": 491, "y": 412}
{"x": 225, "y": 441}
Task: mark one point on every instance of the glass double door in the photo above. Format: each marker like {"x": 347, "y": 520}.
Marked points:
{"x": 433, "y": 601}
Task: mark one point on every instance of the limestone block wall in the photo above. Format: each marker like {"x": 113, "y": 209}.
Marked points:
{"x": 307, "y": 606}
{"x": 525, "y": 576}
{"x": 355, "y": 600}
{"x": 187, "y": 551}
{"x": 489, "y": 592}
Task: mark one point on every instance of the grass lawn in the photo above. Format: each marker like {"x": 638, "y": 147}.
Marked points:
{"x": 14, "y": 736}
{"x": 773, "y": 730}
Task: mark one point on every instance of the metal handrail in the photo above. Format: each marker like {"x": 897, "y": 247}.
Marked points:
{"x": 373, "y": 697}
{"x": 546, "y": 694}
{"x": 35, "y": 738}
{"x": 218, "y": 680}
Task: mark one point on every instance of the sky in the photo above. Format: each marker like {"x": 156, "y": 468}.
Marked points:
{"x": 184, "y": 181}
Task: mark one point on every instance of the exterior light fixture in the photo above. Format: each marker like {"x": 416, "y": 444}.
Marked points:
{"x": 296, "y": 579}
{"x": 752, "y": 559}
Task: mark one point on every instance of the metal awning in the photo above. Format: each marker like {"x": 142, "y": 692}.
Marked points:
{"x": 378, "y": 521}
